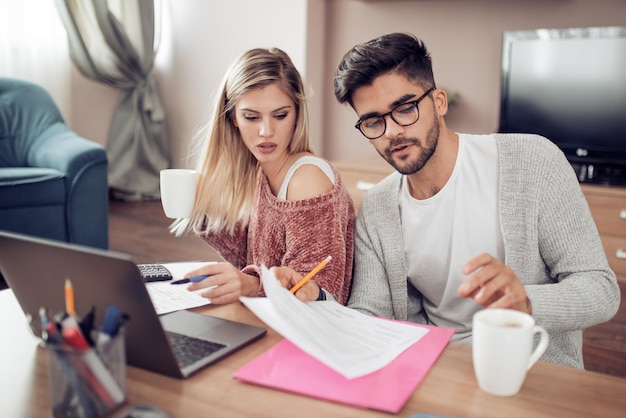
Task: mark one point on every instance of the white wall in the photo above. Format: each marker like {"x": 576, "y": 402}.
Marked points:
{"x": 207, "y": 36}
{"x": 200, "y": 40}
{"x": 464, "y": 37}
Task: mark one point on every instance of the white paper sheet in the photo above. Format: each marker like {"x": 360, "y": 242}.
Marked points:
{"x": 351, "y": 343}
{"x": 167, "y": 297}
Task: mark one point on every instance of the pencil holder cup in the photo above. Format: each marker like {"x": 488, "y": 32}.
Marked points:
{"x": 87, "y": 383}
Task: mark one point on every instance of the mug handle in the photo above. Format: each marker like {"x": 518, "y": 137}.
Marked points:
{"x": 541, "y": 347}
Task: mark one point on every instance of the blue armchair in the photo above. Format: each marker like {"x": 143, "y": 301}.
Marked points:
{"x": 53, "y": 183}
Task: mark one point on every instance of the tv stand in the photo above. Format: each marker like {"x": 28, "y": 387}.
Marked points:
{"x": 606, "y": 174}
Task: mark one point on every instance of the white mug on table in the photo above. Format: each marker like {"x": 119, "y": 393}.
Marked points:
{"x": 502, "y": 349}
{"x": 178, "y": 192}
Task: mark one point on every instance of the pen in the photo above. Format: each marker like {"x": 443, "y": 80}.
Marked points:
{"x": 43, "y": 318}
{"x": 110, "y": 324}
{"x": 193, "y": 279}
{"x": 311, "y": 274}
{"x": 69, "y": 298}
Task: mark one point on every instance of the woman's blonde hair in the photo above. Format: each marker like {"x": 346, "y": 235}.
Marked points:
{"x": 227, "y": 170}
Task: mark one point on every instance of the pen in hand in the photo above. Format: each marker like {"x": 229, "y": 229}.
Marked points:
{"x": 311, "y": 274}
{"x": 191, "y": 279}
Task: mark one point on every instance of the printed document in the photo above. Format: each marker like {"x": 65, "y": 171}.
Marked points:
{"x": 167, "y": 297}
{"x": 349, "y": 342}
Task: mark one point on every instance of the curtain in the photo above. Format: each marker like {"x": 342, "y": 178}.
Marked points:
{"x": 33, "y": 46}
{"x": 115, "y": 42}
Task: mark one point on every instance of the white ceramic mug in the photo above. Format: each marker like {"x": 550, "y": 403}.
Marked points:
{"x": 502, "y": 349}
{"x": 178, "y": 192}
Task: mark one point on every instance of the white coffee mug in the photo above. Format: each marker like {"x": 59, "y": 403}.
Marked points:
{"x": 178, "y": 192}
{"x": 502, "y": 349}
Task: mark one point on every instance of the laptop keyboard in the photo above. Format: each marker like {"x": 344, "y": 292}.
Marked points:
{"x": 188, "y": 350}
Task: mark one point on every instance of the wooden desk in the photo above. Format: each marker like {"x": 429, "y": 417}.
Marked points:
{"x": 449, "y": 389}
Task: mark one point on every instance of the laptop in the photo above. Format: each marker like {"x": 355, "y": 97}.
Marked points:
{"x": 36, "y": 269}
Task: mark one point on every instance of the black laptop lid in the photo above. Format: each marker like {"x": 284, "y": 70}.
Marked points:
{"x": 36, "y": 269}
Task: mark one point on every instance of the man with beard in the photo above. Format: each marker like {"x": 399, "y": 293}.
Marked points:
{"x": 468, "y": 221}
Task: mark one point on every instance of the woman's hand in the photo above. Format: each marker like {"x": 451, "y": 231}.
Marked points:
{"x": 225, "y": 283}
{"x": 288, "y": 278}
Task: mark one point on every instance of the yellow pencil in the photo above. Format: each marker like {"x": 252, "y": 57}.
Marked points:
{"x": 311, "y": 274}
{"x": 69, "y": 298}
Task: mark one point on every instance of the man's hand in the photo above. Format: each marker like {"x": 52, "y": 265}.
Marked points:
{"x": 493, "y": 284}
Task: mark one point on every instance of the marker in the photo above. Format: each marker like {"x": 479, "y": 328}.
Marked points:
{"x": 110, "y": 324}
{"x": 86, "y": 325}
{"x": 70, "y": 365}
{"x": 96, "y": 374}
{"x": 193, "y": 279}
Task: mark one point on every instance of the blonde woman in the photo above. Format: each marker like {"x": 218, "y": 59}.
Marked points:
{"x": 263, "y": 197}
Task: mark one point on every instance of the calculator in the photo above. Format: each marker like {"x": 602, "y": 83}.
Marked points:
{"x": 154, "y": 272}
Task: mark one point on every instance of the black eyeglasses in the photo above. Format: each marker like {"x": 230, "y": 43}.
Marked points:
{"x": 404, "y": 114}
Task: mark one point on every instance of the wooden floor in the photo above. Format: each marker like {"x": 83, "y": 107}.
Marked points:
{"x": 141, "y": 229}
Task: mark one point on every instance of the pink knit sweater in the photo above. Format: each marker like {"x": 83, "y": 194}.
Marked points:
{"x": 297, "y": 234}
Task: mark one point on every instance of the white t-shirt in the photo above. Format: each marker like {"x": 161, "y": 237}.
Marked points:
{"x": 445, "y": 231}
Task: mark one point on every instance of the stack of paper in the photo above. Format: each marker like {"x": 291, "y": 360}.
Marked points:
{"x": 347, "y": 341}
{"x": 167, "y": 297}
{"x": 334, "y": 353}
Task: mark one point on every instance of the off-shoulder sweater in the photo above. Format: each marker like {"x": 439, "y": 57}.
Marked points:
{"x": 298, "y": 234}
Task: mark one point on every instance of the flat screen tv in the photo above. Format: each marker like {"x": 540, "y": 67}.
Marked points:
{"x": 569, "y": 85}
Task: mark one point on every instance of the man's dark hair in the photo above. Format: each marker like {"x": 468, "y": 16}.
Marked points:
{"x": 396, "y": 52}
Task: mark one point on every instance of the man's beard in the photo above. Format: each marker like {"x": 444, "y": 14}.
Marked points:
{"x": 428, "y": 147}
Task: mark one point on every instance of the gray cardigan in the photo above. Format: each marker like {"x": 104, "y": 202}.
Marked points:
{"x": 550, "y": 240}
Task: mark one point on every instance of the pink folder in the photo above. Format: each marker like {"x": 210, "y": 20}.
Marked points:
{"x": 288, "y": 368}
